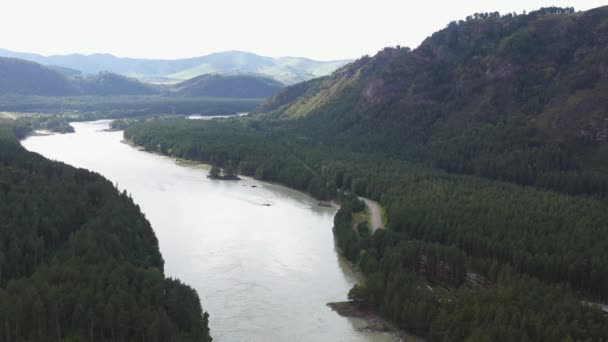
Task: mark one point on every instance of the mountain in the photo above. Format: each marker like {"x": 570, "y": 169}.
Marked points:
{"x": 235, "y": 85}
{"x": 517, "y": 99}
{"x": 287, "y": 69}
{"x": 67, "y": 72}
{"x": 106, "y": 83}
{"x": 521, "y": 98}
{"x": 28, "y": 78}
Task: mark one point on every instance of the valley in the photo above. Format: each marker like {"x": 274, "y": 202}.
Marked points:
{"x": 471, "y": 184}
{"x": 232, "y": 260}
{"x": 454, "y": 191}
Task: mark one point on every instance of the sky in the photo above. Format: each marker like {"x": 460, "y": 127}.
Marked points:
{"x": 318, "y": 29}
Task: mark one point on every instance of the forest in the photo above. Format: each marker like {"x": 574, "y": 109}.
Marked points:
{"x": 511, "y": 236}
{"x": 86, "y": 108}
{"x": 485, "y": 146}
{"x": 79, "y": 261}
{"x": 518, "y": 98}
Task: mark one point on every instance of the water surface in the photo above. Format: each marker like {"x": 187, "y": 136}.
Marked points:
{"x": 264, "y": 273}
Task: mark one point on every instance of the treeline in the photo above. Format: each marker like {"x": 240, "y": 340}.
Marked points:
{"x": 241, "y": 145}
{"x": 442, "y": 227}
{"x": 79, "y": 261}
{"x": 54, "y": 123}
{"x": 540, "y": 12}
{"x": 86, "y": 108}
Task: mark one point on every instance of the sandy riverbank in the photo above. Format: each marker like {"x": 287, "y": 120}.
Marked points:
{"x": 374, "y": 321}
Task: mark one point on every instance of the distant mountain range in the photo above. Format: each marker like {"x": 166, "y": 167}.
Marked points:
{"x": 23, "y": 77}
{"x": 287, "y": 70}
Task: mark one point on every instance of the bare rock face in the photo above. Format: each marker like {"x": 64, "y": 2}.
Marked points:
{"x": 373, "y": 91}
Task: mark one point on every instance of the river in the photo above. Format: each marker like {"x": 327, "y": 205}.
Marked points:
{"x": 264, "y": 273}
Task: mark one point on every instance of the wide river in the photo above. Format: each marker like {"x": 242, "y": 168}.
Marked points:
{"x": 261, "y": 256}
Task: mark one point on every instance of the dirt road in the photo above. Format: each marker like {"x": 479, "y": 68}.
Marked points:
{"x": 375, "y": 213}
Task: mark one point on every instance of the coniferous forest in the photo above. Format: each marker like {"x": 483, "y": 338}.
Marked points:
{"x": 485, "y": 148}
{"x": 443, "y": 229}
{"x": 79, "y": 261}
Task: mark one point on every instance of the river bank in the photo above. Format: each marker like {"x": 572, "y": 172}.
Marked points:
{"x": 374, "y": 321}
{"x": 263, "y": 272}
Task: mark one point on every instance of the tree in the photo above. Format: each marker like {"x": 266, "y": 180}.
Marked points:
{"x": 215, "y": 172}
{"x": 229, "y": 171}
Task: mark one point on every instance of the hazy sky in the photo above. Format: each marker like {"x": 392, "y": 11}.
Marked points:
{"x": 320, "y": 29}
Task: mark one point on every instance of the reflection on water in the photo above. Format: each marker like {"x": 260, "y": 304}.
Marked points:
{"x": 264, "y": 273}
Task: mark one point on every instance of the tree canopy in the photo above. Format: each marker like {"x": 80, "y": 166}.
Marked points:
{"x": 79, "y": 261}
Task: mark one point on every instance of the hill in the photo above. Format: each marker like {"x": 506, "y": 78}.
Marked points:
{"x": 67, "y": 72}
{"x": 519, "y": 98}
{"x": 105, "y": 83}
{"x": 28, "y": 78}
{"x": 21, "y": 77}
{"x": 228, "y": 86}
{"x": 286, "y": 70}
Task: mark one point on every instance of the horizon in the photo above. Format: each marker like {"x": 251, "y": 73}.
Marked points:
{"x": 165, "y": 59}
{"x": 318, "y": 31}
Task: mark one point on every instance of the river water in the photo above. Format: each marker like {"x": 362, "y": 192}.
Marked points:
{"x": 261, "y": 256}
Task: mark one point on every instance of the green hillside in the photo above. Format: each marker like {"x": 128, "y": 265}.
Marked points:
{"x": 518, "y": 98}
{"x": 67, "y": 72}
{"x": 286, "y": 70}
{"x": 23, "y": 78}
{"x": 227, "y": 86}
{"x": 20, "y": 77}
{"x": 105, "y": 83}
{"x": 28, "y": 78}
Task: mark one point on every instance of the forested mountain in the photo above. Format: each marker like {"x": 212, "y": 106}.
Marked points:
{"x": 288, "y": 70}
{"x": 67, "y": 72}
{"x": 79, "y": 261}
{"x": 519, "y": 98}
{"x": 105, "y": 83}
{"x": 459, "y": 141}
{"x": 19, "y": 77}
{"x": 228, "y": 85}
{"x": 285, "y": 69}
{"x": 28, "y": 78}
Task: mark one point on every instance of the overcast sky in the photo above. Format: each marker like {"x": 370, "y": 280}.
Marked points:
{"x": 319, "y": 29}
